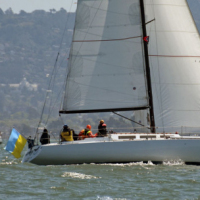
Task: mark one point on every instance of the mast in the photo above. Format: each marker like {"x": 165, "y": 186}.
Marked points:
{"x": 148, "y": 75}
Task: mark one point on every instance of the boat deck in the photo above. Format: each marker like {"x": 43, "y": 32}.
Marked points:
{"x": 118, "y": 137}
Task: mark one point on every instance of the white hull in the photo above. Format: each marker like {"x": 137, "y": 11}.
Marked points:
{"x": 107, "y": 150}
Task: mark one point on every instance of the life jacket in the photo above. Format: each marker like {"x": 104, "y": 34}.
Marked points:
{"x": 67, "y": 135}
{"x": 84, "y": 134}
{"x": 87, "y": 131}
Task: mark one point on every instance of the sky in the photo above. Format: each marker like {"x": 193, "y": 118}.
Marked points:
{"x": 31, "y": 5}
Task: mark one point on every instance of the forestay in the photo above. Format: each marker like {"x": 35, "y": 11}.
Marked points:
{"x": 174, "y": 53}
{"x": 106, "y": 69}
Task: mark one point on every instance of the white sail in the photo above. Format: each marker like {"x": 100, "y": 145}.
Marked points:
{"x": 106, "y": 63}
{"x": 174, "y": 54}
{"x": 106, "y": 73}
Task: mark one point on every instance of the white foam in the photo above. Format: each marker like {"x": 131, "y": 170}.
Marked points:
{"x": 128, "y": 164}
{"x": 79, "y": 175}
{"x": 173, "y": 162}
{"x": 109, "y": 198}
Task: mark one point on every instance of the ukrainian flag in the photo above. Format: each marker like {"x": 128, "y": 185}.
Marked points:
{"x": 15, "y": 143}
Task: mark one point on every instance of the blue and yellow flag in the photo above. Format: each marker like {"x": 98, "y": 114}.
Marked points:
{"x": 15, "y": 143}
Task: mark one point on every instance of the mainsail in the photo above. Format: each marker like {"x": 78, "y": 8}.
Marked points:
{"x": 107, "y": 70}
{"x": 106, "y": 62}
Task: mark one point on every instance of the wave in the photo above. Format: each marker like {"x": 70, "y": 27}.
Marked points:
{"x": 79, "y": 175}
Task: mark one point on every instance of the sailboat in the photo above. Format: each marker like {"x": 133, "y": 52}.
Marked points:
{"x": 132, "y": 55}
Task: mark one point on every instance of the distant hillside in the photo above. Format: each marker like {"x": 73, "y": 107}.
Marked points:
{"x": 29, "y": 43}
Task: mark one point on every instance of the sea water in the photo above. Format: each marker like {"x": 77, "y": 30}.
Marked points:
{"x": 173, "y": 180}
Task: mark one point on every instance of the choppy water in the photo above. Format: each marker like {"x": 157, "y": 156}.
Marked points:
{"x": 99, "y": 182}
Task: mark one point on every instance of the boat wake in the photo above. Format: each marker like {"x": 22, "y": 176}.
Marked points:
{"x": 79, "y": 175}
{"x": 107, "y": 198}
{"x": 149, "y": 163}
{"x": 127, "y": 164}
{"x": 6, "y": 162}
{"x": 173, "y": 162}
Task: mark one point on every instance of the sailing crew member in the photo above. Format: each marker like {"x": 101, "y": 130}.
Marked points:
{"x": 45, "y": 137}
{"x": 86, "y": 133}
{"x": 66, "y": 134}
{"x": 102, "y": 131}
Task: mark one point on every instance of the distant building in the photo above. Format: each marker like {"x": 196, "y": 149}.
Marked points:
{"x": 23, "y": 84}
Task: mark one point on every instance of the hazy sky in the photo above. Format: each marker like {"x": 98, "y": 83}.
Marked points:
{"x": 30, "y": 5}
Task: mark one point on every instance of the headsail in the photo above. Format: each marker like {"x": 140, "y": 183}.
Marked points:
{"x": 174, "y": 54}
{"x": 106, "y": 63}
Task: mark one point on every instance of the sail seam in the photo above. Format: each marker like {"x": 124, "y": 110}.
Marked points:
{"x": 105, "y": 89}
{"x": 158, "y": 4}
{"x": 107, "y": 40}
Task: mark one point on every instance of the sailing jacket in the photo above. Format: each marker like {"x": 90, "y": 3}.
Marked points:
{"x": 67, "y": 135}
{"x": 45, "y": 138}
{"x": 102, "y": 130}
{"x": 86, "y": 133}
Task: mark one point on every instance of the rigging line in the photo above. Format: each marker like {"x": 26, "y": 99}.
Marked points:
{"x": 60, "y": 47}
{"x": 131, "y": 120}
{"x": 52, "y": 74}
{"x": 52, "y": 89}
{"x": 45, "y": 99}
{"x": 60, "y": 64}
{"x": 53, "y": 85}
{"x": 107, "y": 40}
{"x": 50, "y": 109}
{"x": 65, "y": 80}
{"x": 50, "y": 82}
{"x": 61, "y": 120}
{"x": 59, "y": 51}
{"x": 53, "y": 135}
{"x": 53, "y": 82}
{"x": 65, "y": 26}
